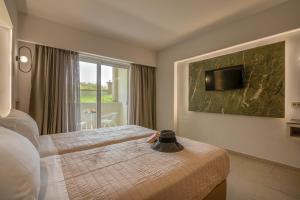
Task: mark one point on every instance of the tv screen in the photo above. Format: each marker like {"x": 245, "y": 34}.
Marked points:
{"x": 226, "y": 78}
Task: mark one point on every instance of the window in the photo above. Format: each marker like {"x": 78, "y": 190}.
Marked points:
{"x": 103, "y": 93}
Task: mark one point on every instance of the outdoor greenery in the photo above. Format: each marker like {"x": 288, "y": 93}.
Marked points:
{"x": 91, "y": 86}
{"x": 88, "y": 93}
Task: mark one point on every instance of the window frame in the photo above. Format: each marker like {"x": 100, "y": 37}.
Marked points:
{"x": 99, "y": 61}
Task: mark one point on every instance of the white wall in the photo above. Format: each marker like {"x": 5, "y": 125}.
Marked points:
{"x": 258, "y": 136}
{"x": 23, "y": 86}
{"x": 41, "y": 31}
{"x": 13, "y": 13}
{"x": 5, "y": 59}
{"x": 261, "y": 137}
{"x": 5, "y": 70}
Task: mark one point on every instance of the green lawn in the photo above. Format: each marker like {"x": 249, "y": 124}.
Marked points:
{"x": 92, "y": 99}
{"x": 87, "y": 99}
{"x": 88, "y": 93}
{"x": 106, "y": 99}
{"x": 88, "y": 86}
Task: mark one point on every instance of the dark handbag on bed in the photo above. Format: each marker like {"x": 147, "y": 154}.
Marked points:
{"x": 167, "y": 142}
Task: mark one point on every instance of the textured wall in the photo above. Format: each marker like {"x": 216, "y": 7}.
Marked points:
{"x": 263, "y": 94}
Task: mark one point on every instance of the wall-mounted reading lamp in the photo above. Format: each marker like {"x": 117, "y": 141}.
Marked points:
{"x": 24, "y": 60}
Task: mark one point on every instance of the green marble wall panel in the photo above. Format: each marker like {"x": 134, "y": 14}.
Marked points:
{"x": 263, "y": 94}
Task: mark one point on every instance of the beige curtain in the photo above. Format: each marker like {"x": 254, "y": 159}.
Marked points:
{"x": 55, "y": 87}
{"x": 142, "y": 100}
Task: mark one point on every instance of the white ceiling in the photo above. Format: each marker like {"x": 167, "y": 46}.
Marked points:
{"x": 154, "y": 24}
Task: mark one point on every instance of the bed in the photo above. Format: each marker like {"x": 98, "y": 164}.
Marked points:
{"x": 61, "y": 143}
{"x": 132, "y": 170}
{"x": 108, "y": 163}
{"x": 81, "y": 140}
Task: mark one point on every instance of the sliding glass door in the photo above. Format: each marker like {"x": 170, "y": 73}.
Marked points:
{"x": 103, "y": 94}
{"x": 88, "y": 95}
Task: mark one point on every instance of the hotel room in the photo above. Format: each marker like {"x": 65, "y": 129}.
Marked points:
{"x": 148, "y": 99}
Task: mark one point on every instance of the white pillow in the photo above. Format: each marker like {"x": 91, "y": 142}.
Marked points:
{"x": 19, "y": 167}
{"x": 23, "y": 124}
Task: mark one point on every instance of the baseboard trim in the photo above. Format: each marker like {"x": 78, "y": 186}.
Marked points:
{"x": 264, "y": 160}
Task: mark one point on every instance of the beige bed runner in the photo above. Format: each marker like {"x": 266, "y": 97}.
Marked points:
{"x": 132, "y": 170}
{"x": 82, "y": 140}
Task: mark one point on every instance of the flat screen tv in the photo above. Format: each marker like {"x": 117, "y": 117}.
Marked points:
{"x": 227, "y": 78}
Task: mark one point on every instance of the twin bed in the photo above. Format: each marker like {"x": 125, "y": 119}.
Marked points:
{"x": 118, "y": 163}
{"x": 81, "y": 140}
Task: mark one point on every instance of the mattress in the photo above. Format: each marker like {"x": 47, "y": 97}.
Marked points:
{"x": 81, "y": 140}
{"x": 132, "y": 170}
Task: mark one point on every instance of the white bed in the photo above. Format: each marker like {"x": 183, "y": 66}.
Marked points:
{"x": 132, "y": 170}
{"x": 81, "y": 140}
{"x": 108, "y": 163}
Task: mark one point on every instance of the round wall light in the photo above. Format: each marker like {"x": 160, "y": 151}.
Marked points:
{"x": 24, "y": 60}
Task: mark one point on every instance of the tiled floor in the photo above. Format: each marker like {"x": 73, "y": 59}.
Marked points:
{"x": 258, "y": 180}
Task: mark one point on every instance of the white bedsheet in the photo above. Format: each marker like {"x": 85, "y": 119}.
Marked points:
{"x": 132, "y": 170}
{"x": 81, "y": 140}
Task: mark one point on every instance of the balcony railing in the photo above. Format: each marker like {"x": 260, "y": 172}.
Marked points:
{"x": 112, "y": 114}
